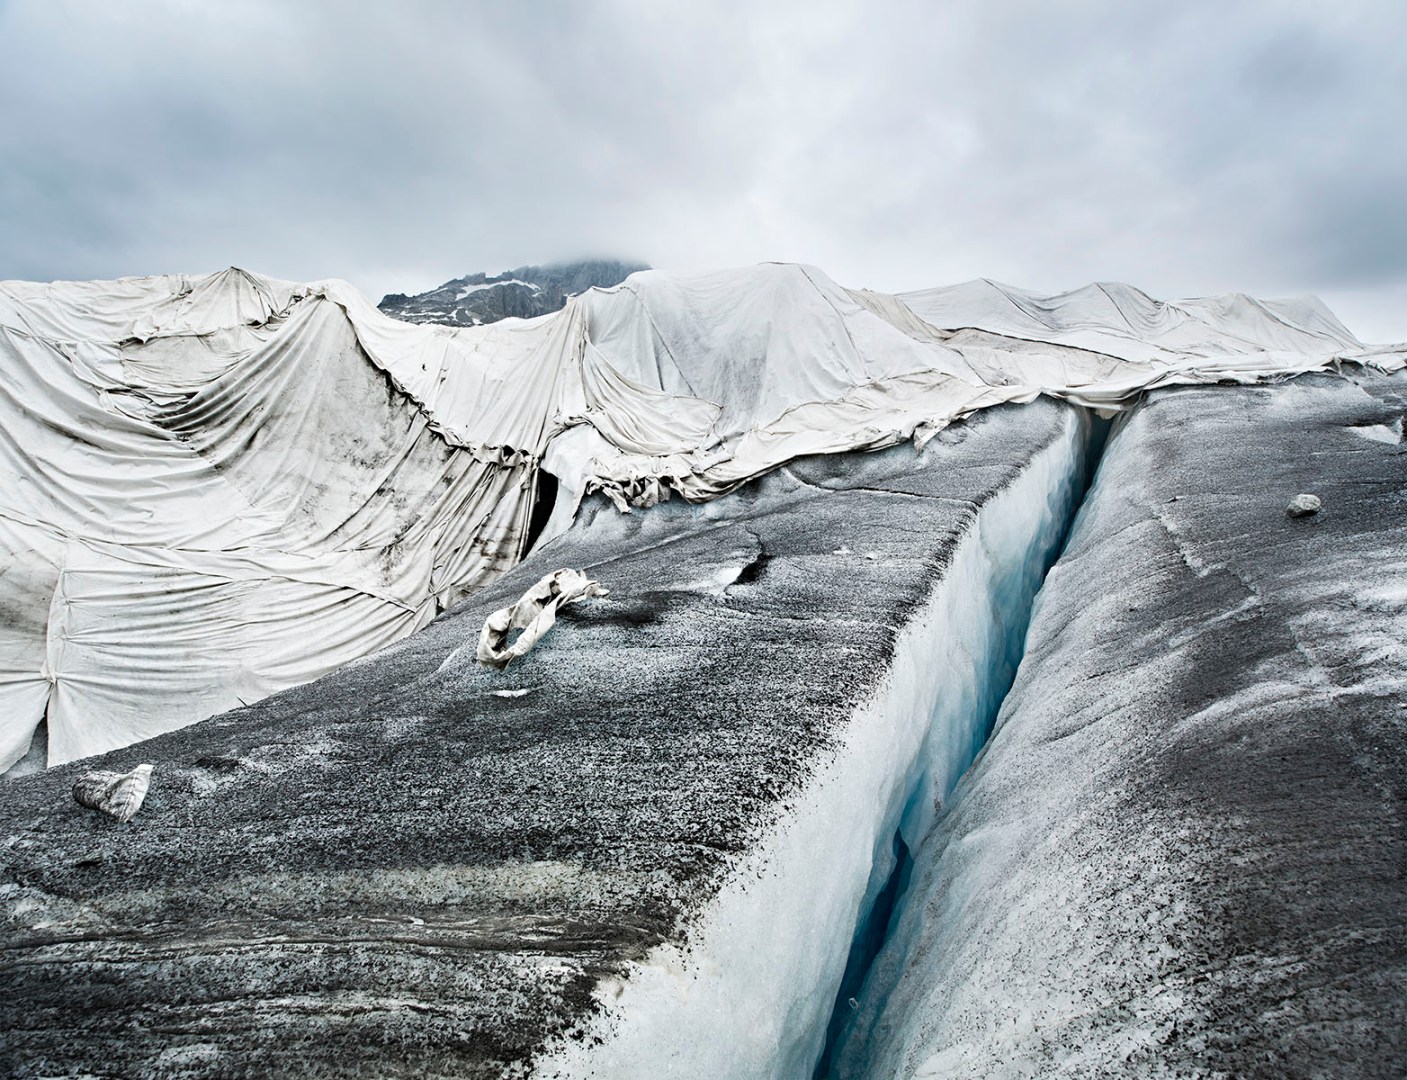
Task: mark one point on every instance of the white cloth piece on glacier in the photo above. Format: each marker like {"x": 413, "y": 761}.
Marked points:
{"x": 119, "y": 795}
{"x": 212, "y": 488}
{"x": 534, "y": 615}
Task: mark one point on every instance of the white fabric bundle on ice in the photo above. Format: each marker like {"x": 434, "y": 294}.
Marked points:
{"x": 119, "y": 795}
{"x": 534, "y": 615}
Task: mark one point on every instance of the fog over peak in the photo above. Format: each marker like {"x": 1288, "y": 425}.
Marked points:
{"x": 1253, "y": 146}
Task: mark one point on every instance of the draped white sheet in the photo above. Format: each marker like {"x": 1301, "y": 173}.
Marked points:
{"x": 215, "y": 487}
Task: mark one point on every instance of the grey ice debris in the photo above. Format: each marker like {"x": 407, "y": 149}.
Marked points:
{"x": 1302, "y": 505}
{"x": 116, "y": 794}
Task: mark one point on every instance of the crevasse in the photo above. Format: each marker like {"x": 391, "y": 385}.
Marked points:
{"x": 755, "y": 991}
{"x": 989, "y": 645}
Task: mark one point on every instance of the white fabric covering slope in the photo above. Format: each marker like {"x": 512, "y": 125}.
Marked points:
{"x": 209, "y": 494}
{"x": 215, "y": 487}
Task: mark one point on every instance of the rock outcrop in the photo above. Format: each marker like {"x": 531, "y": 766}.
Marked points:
{"x": 523, "y": 293}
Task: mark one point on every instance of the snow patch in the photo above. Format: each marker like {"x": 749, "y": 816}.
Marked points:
{"x": 1383, "y": 433}
{"x": 470, "y": 290}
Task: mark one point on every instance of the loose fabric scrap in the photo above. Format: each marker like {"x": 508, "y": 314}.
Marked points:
{"x": 118, "y": 795}
{"x": 534, "y": 614}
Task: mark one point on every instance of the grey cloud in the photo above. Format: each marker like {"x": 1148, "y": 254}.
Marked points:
{"x": 1187, "y": 148}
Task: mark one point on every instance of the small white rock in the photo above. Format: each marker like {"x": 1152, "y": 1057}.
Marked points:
{"x": 1301, "y": 505}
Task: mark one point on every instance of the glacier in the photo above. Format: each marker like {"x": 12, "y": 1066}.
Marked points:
{"x": 1182, "y": 850}
{"x": 896, "y": 748}
{"x": 398, "y": 857}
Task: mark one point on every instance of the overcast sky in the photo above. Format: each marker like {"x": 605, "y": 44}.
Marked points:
{"x": 1187, "y": 148}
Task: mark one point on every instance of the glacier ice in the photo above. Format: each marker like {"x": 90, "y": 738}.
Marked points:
{"x": 1187, "y": 803}
{"x": 750, "y": 992}
{"x": 671, "y": 839}
{"x": 420, "y": 862}
{"x": 1179, "y": 854}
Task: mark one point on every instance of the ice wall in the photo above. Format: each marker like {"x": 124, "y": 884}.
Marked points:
{"x": 401, "y": 870}
{"x": 1181, "y": 852}
{"x": 751, "y": 991}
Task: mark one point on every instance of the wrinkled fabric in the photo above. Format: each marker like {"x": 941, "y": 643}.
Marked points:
{"x": 119, "y": 795}
{"x": 210, "y": 492}
{"x": 799, "y": 365}
{"x": 214, "y": 487}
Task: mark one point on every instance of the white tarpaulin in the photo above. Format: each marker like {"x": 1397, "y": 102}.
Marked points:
{"x": 215, "y": 487}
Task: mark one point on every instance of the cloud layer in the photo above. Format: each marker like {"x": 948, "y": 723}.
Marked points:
{"x": 1192, "y": 148}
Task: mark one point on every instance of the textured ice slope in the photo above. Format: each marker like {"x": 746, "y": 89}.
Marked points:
{"x": 651, "y": 863}
{"x": 750, "y": 991}
{"x": 1182, "y": 852}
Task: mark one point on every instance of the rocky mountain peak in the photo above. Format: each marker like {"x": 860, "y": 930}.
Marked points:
{"x": 524, "y": 293}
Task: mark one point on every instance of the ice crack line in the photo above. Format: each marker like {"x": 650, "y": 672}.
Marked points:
{"x": 1015, "y": 584}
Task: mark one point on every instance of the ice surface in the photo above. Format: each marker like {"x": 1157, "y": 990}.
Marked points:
{"x": 398, "y": 871}
{"x": 751, "y": 991}
{"x": 1184, "y": 835}
{"x": 1181, "y": 852}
